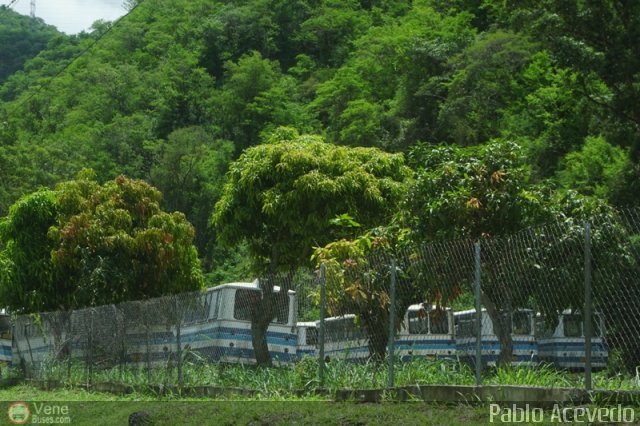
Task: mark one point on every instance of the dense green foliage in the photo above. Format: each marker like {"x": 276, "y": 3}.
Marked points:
{"x": 178, "y": 90}
{"x": 281, "y": 196}
{"x": 21, "y": 38}
{"x": 86, "y": 244}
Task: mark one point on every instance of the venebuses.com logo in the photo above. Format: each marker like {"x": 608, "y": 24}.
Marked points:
{"x": 19, "y": 413}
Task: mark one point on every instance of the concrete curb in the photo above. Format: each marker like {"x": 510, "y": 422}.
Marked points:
{"x": 446, "y": 394}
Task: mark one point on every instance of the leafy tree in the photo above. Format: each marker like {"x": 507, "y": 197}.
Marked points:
{"x": 485, "y": 81}
{"x": 30, "y": 281}
{"x": 381, "y": 96}
{"x": 234, "y": 30}
{"x": 598, "y": 169}
{"x": 472, "y": 192}
{"x": 486, "y": 191}
{"x": 594, "y": 38}
{"x": 280, "y": 197}
{"x": 189, "y": 168}
{"x": 85, "y": 244}
{"x": 358, "y": 281}
{"x": 476, "y": 192}
{"x": 330, "y": 29}
{"x": 255, "y": 96}
{"x": 434, "y": 40}
{"x": 552, "y": 118}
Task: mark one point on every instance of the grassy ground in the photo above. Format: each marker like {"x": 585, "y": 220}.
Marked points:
{"x": 91, "y": 408}
{"x": 274, "y": 401}
{"x": 285, "y": 382}
{"x": 102, "y": 409}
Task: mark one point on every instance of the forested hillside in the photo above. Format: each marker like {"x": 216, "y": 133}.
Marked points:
{"x": 21, "y": 38}
{"x": 177, "y": 90}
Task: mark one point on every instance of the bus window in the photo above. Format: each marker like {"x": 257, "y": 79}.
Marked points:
{"x": 439, "y": 323}
{"x": 333, "y": 331}
{"x": 245, "y": 300}
{"x": 5, "y": 327}
{"x": 572, "y": 325}
{"x": 540, "y": 327}
{"x": 212, "y": 303}
{"x": 281, "y": 308}
{"x": 418, "y": 323}
{"x": 521, "y": 323}
{"x": 466, "y": 326}
{"x": 349, "y": 330}
{"x": 357, "y": 332}
{"x": 311, "y": 336}
{"x": 543, "y": 329}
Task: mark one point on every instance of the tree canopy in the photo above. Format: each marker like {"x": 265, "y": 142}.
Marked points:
{"x": 281, "y": 196}
{"x": 85, "y": 244}
{"x": 485, "y": 194}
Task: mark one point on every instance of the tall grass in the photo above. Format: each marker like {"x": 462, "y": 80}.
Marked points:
{"x": 543, "y": 375}
{"x": 302, "y": 378}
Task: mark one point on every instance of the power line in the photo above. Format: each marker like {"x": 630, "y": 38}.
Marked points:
{"x": 12, "y": 3}
{"x": 85, "y": 50}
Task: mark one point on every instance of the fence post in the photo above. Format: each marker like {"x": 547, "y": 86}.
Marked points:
{"x": 90, "y": 349}
{"x": 123, "y": 341}
{"x": 178, "y": 320}
{"x": 587, "y": 306}
{"x": 323, "y": 302}
{"x": 69, "y": 344}
{"x": 392, "y": 324}
{"x": 478, "y": 316}
{"x": 147, "y": 349}
{"x": 69, "y": 356}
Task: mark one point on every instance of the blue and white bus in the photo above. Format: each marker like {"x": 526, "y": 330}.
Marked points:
{"x": 427, "y": 332}
{"x": 344, "y": 338}
{"x": 563, "y": 345}
{"x": 218, "y": 328}
{"x": 214, "y": 325}
{"x": 525, "y": 347}
{"x": 307, "y": 339}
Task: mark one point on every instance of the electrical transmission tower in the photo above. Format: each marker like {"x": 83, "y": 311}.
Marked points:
{"x": 33, "y": 8}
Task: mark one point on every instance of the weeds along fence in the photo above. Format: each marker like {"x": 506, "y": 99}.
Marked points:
{"x": 562, "y": 297}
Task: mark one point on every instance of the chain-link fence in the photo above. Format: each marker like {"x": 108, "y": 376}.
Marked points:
{"x": 231, "y": 323}
{"x": 563, "y": 297}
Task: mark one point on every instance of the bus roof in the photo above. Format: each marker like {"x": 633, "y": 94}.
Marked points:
{"x": 249, "y": 286}
{"x": 419, "y": 306}
{"x": 473, "y": 311}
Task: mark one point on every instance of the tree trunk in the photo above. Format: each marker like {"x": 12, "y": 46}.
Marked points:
{"x": 376, "y": 331}
{"x": 264, "y": 311}
{"x": 501, "y": 320}
{"x": 261, "y": 316}
{"x": 58, "y": 322}
{"x": 378, "y": 347}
